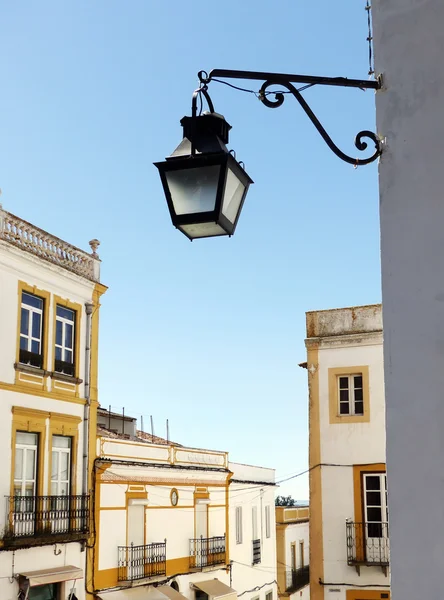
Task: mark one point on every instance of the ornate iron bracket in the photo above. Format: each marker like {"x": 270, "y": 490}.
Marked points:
{"x": 287, "y": 81}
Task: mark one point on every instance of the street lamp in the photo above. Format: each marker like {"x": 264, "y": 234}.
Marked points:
{"x": 205, "y": 186}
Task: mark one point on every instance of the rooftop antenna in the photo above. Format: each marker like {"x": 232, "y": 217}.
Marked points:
{"x": 123, "y": 420}
{"x": 152, "y": 426}
{"x": 141, "y": 423}
{"x": 168, "y": 431}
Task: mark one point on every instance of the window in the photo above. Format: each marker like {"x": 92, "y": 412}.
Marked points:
{"x": 269, "y": 596}
{"x": 267, "y": 522}
{"x": 64, "y": 340}
{"x": 31, "y": 330}
{"x": 349, "y": 394}
{"x": 25, "y": 470}
{"x": 238, "y": 524}
{"x": 254, "y": 522}
{"x": 375, "y": 504}
{"x": 61, "y": 465}
{"x": 351, "y": 397}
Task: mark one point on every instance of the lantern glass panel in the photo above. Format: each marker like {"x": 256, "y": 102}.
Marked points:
{"x": 199, "y": 230}
{"x": 234, "y": 192}
{"x": 193, "y": 190}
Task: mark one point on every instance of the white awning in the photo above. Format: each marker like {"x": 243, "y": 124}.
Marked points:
{"x": 144, "y": 592}
{"x": 52, "y": 575}
{"x": 214, "y": 588}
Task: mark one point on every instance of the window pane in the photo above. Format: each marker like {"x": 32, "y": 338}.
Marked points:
{"x": 358, "y": 381}
{"x": 343, "y": 395}
{"x": 30, "y": 464}
{"x": 63, "y": 490}
{"x": 36, "y": 320}
{"x": 53, "y": 488}
{"x": 359, "y": 395}
{"x": 374, "y": 514}
{"x": 373, "y": 482}
{"x": 64, "y": 466}
{"x": 65, "y": 313}
{"x": 24, "y": 321}
{"x": 23, "y": 343}
{"x": 373, "y": 498}
{"x": 374, "y": 530}
{"x": 59, "y": 332}
{"x": 31, "y": 300}
{"x": 58, "y": 353}
{"x": 61, "y": 441}
{"x": 343, "y": 383}
{"x": 35, "y": 347}
{"x": 359, "y": 408}
{"x": 18, "y": 463}
{"x": 55, "y": 465}
{"x": 344, "y": 408}
{"x": 30, "y": 439}
{"x": 68, "y": 356}
{"x": 68, "y": 335}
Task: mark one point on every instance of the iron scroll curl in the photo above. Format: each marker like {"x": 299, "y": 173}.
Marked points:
{"x": 360, "y": 144}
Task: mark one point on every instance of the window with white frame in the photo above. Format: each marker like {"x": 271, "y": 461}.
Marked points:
{"x": 64, "y": 340}
{"x": 25, "y": 468}
{"x": 254, "y": 523}
{"x": 31, "y": 330}
{"x": 267, "y": 522}
{"x": 60, "y": 465}
{"x": 239, "y": 537}
{"x": 351, "y": 395}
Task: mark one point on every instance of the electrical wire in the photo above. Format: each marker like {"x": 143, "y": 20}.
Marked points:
{"x": 367, "y": 585}
{"x": 371, "y": 66}
{"x": 236, "y": 87}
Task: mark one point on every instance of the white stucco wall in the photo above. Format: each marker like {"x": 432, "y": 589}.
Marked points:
{"x": 17, "y": 265}
{"x": 245, "y": 576}
{"x": 408, "y": 44}
{"x": 348, "y": 343}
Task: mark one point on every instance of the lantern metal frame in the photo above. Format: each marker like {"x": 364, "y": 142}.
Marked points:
{"x": 286, "y": 81}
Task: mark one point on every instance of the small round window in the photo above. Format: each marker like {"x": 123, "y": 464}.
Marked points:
{"x": 174, "y": 497}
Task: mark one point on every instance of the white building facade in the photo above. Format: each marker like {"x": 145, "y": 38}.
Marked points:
{"x": 349, "y": 541}
{"x": 49, "y": 307}
{"x": 176, "y": 522}
{"x": 408, "y": 45}
{"x": 293, "y": 551}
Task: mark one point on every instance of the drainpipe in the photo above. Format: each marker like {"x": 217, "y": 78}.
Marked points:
{"x": 88, "y": 309}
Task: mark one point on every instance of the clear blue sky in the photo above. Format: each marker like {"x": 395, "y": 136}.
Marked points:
{"x": 207, "y": 334}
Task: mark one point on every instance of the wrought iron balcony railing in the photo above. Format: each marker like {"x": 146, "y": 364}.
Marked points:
{"x": 205, "y": 552}
{"x": 368, "y": 543}
{"x": 256, "y": 552}
{"x": 46, "y": 516}
{"x": 297, "y": 579}
{"x": 141, "y": 562}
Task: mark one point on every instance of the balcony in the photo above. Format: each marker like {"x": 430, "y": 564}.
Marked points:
{"x": 141, "y": 562}
{"x": 256, "y": 552}
{"x": 297, "y": 579}
{"x": 206, "y": 552}
{"x": 368, "y": 544}
{"x": 34, "y": 520}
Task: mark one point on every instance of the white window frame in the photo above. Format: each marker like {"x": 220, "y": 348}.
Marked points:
{"x": 60, "y": 451}
{"x": 32, "y": 310}
{"x": 267, "y": 521}
{"x": 351, "y": 394}
{"x": 239, "y": 530}
{"x": 23, "y": 481}
{"x": 64, "y": 321}
{"x": 383, "y": 491}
